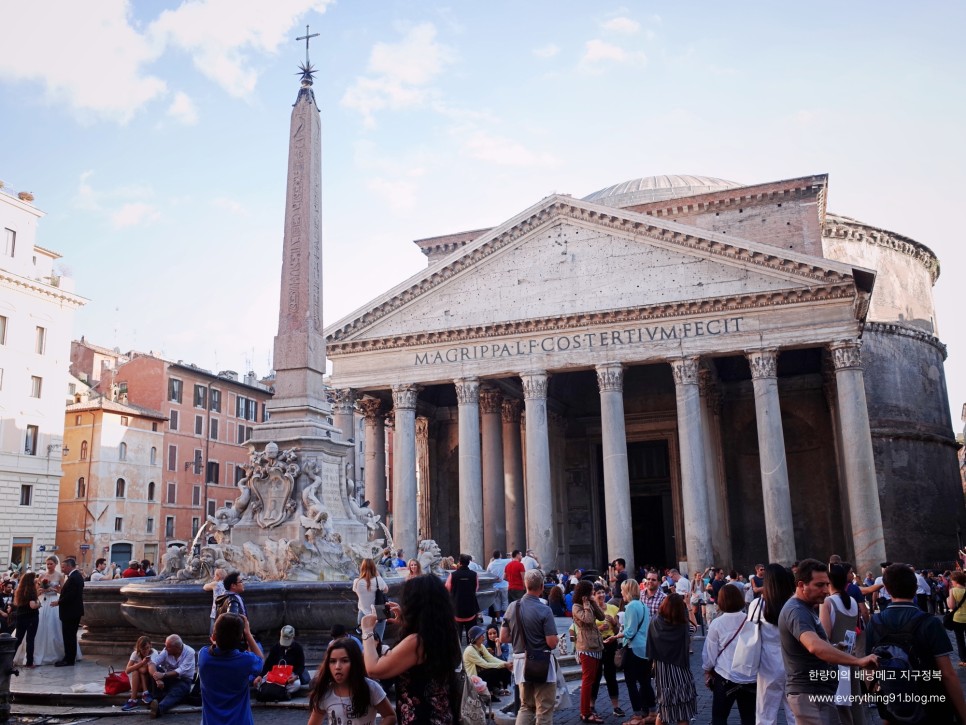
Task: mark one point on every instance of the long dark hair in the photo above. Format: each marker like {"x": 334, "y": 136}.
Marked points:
{"x": 427, "y": 611}
{"x": 26, "y": 590}
{"x": 778, "y": 589}
{"x": 837, "y": 575}
{"x": 358, "y": 688}
{"x": 673, "y": 609}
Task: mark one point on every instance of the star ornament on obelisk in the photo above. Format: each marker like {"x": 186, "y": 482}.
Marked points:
{"x": 299, "y": 409}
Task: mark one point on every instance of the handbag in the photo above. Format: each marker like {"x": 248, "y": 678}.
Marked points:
{"x": 116, "y": 682}
{"x": 536, "y": 666}
{"x": 471, "y": 710}
{"x": 279, "y": 674}
{"x": 381, "y": 597}
{"x": 948, "y": 622}
{"x": 619, "y": 656}
{"x": 748, "y": 648}
{"x": 271, "y": 692}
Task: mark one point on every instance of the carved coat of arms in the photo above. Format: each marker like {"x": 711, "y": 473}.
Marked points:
{"x": 272, "y": 484}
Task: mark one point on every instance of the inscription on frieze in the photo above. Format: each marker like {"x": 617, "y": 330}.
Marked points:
{"x": 584, "y": 341}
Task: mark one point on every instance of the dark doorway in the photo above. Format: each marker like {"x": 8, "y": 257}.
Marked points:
{"x": 649, "y": 470}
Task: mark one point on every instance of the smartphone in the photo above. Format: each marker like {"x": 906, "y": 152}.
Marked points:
{"x": 383, "y": 612}
{"x": 849, "y": 641}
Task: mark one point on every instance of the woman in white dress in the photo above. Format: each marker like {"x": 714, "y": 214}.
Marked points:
{"x": 49, "y": 643}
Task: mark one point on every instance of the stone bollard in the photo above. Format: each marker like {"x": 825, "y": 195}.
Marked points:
{"x": 8, "y": 648}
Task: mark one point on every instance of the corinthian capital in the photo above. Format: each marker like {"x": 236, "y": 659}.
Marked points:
{"x": 370, "y": 408}
{"x": 404, "y": 396}
{"x": 467, "y": 391}
{"x": 764, "y": 363}
{"x": 343, "y": 401}
{"x": 511, "y": 410}
{"x": 685, "y": 370}
{"x": 535, "y": 385}
{"x": 491, "y": 400}
{"x": 846, "y": 355}
{"x": 610, "y": 377}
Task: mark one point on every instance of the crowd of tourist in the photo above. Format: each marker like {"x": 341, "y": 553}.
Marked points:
{"x": 816, "y": 639}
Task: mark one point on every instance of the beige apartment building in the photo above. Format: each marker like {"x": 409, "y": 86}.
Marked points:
{"x": 37, "y": 306}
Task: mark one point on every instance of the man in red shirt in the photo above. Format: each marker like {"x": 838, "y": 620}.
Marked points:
{"x": 133, "y": 569}
{"x": 514, "y": 576}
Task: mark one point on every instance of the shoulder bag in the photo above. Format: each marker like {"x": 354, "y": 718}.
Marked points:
{"x": 948, "y": 616}
{"x": 748, "y": 648}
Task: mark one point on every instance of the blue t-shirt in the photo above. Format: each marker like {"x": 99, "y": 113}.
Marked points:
{"x": 225, "y": 683}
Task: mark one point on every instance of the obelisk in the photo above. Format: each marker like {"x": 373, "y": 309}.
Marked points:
{"x": 299, "y": 410}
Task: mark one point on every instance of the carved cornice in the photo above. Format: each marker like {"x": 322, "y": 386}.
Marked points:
{"x": 511, "y": 410}
{"x": 839, "y": 227}
{"x": 649, "y": 313}
{"x": 422, "y": 429}
{"x": 763, "y": 363}
{"x": 707, "y": 244}
{"x": 685, "y": 370}
{"x": 491, "y": 400}
{"x": 535, "y": 385}
{"x": 610, "y": 377}
{"x": 370, "y": 408}
{"x": 846, "y": 355}
{"x": 404, "y": 396}
{"x": 343, "y": 401}
{"x": 467, "y": 391}
{"x": 892, "y": 328}
{"x": 42, "y": 289}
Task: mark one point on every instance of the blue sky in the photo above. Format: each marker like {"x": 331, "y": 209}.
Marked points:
{"x": 154, "y": 135}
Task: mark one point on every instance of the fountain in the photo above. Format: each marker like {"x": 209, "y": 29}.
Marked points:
{"x": 299, "y": 527}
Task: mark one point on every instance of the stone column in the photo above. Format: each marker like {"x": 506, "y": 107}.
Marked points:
{"x": 694, "y": 475}
{"x": 617, "y": 489}
{"x": 344, "y": 418}
{"x": 863, "y": 490}
{"x": 540, "y": 532}
{"x": 494, "y": 507}
{"x": 516, "y": 510}
{"x": 471, "y": 482}
{"x": 425, "y": 530}
{"x": 404, "y": 521}
{"x": 779, "y": 530}
{"x": 375, "y": 455}
{"x": 717, "y": 489}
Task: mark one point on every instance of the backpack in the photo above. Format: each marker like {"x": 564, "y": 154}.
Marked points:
{"x": 896, "y": 684}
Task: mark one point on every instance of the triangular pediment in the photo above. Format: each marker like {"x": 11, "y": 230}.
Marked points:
{"x": 571, "y": 259}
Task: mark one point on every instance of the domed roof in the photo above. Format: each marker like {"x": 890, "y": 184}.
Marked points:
{"x": 658, "y": 188}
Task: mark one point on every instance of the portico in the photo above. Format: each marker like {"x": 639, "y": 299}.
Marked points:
{"x": 673, "y": 361}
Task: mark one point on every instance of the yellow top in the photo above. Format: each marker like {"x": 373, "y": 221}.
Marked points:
{"x": 474, "y": 657}
{"x": 957, "y": 594}
{"x": 607, "y": 630}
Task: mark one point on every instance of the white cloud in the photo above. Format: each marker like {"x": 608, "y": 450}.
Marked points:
{"x": 87, "y": 56}
{"x": 622, "y": 25}
{"x": 503, "y": 151}
{"x": 400, "y": 194}
{"x": 598, "y": 52}
{"x": 182, "y": 109}
{"x": 224, "y": 37}
{"x": 230, "y": 205}
{"x": 400, "y": 74}
{"x": 547, "y": 51}
{"x": 135, "y": 214}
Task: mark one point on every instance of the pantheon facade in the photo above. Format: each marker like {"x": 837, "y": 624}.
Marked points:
{"x": 679, "y": 370}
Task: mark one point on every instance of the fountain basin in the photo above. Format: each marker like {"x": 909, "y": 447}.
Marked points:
{"x": 118, "y": 612}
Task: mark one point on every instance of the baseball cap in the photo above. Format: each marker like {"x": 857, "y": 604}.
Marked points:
{"x": 287, "y": 636}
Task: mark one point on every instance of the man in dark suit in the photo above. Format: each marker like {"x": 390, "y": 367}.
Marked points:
{"x": 71, "y": 609}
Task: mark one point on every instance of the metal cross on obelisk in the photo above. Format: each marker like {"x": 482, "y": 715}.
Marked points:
{"x": 306, "y": 38}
